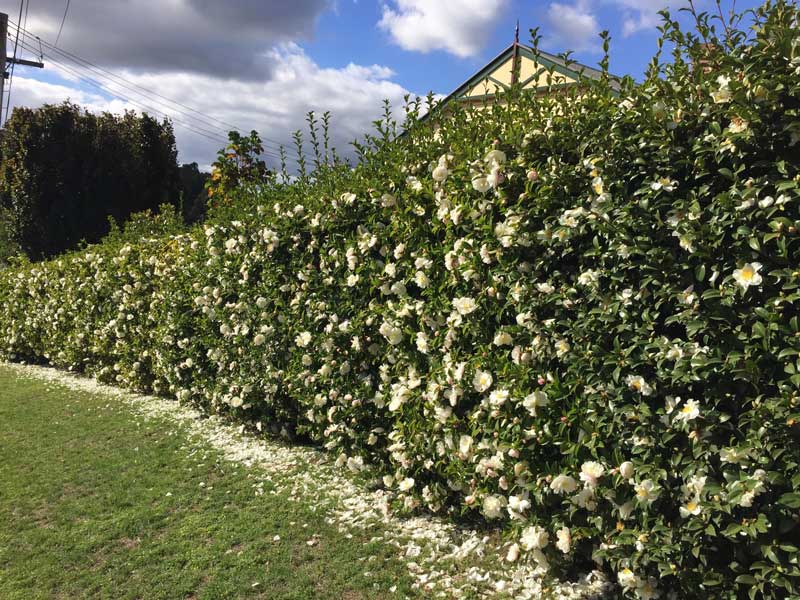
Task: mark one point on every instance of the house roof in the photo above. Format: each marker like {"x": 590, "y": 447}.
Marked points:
{"x": 531, "y": 69}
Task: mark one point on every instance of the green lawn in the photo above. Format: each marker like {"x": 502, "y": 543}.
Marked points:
{"x": 95, "y": 502}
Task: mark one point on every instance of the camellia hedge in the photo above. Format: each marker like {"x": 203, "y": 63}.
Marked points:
{"x": 577, "y": 313}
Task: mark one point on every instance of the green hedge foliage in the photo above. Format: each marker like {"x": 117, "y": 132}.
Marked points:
{"x": 577, "y": 314}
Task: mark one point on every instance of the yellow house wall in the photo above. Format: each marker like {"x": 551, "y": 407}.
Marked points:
{"x": 529, "y": 68}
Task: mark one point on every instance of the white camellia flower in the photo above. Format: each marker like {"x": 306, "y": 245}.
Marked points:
{"x": 482, "y": 380}
{"x": 721, "y": 96}
{"x": 481, "y": 184}
{"x": 303, "y": 339}
{"x": 562, "y": 347}
{"x": 646, "y": 491}
{"x": 503, "y": 339}
{"x": 591, "y": 471}
{"x": 545, "y": 288}
{"x": 406, "y": 484}
{"x": 627, "y": 579}
{"x": 422, "y": 342}
{"x": 421, "y": 279}
{"x": 689, "y": 411}
{"x": 498, "y": 397}
{"x": 393, "y": 334}
{"x": 259, "y": 339}
{"x": 563, "y": 484}
{"x": 440, "y": 173}
{"x": 517, "y": 505}
{"x": 535, "y": 400}
{"x": 638, "y": 384}
{"x": 564, "y": 541}
{"x": 748, "y": 275}
{"x": 585, "y": 499}
{"x": 464, "y": 305}
{"x": 534, "y": 537}
{"x": 691, "y": 508}
{"x": 495, "y": 157}
{"x": 495, "y": 177}
{"x": 465, "y": 445}
{"x": 589, "y": 277}
{"x": 493, "y": 506}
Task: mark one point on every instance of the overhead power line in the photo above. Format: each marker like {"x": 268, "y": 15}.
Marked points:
{"x": 108, "y": 85}
{"x": 64, "y": 18}
{"x": 141, "y": 90}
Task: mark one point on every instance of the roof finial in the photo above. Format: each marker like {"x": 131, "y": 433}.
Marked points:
{"x": 516, "y": 33}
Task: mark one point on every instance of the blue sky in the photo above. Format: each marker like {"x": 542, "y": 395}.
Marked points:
{"x": 262, "y": 64}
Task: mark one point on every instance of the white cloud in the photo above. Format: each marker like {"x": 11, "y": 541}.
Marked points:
{"x": 204, "y": 36}
{"x": 276, "y": 107}
{"x": 575, "y": 26}
{"x": 460, "y": 27}
{"x": 571, "y": 26}
{"x": 641, "y": 14}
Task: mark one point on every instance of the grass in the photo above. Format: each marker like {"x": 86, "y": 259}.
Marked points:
{"x": 96, "y": 503}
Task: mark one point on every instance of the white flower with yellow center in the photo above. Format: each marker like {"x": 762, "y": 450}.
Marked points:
{"x": 562, "y": 347}
{"x": 627, "y": 578}
{"x": 482, "y": 381}
{"x": 748, "y": 275}
{"x": 535, "y": 400}
{"x": 481, "y": 184}
{"x": 534, "y": 537}
{"x": 638, "y": 384}
{"x": 498, "y": 397}
{"x": 675, "y": 352}
{"x": 591, "y": 472}
{"x": 440, "y": 173}
{"x": 464, "y": 305}
{"x": 503, "y": 339}
{"x": 406, "y": 484}
{"x": 688, "y": 411}
{"x": 563, "y": 484}
{"x": 647, "y": 589}
{"x": 493, "y": 506}
{"x": 646, "y": 491}
{"x": 692, "y": 507}
{"x": 303, "y": 339}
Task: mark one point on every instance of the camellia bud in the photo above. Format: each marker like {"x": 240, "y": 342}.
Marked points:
{"x": 626, "y": 469}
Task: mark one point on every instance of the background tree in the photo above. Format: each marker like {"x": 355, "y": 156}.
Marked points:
{"x": 65, "y": 171}
{"x": 193, "y": 192}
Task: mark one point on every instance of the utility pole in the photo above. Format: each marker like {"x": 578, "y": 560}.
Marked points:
{"x": 5, "y": 60}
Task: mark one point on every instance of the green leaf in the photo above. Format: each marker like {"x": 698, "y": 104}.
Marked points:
{"x": 792, "y": 500}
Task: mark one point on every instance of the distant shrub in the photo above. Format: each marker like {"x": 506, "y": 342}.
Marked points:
{"x": 577, "y": 313}
{"x": 65, "y": 171}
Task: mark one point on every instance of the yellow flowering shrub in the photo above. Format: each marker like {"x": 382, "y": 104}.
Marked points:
{"x": 576, "y": 315}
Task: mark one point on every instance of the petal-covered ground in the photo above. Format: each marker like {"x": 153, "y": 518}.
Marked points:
{"x": 112, "y": 494}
